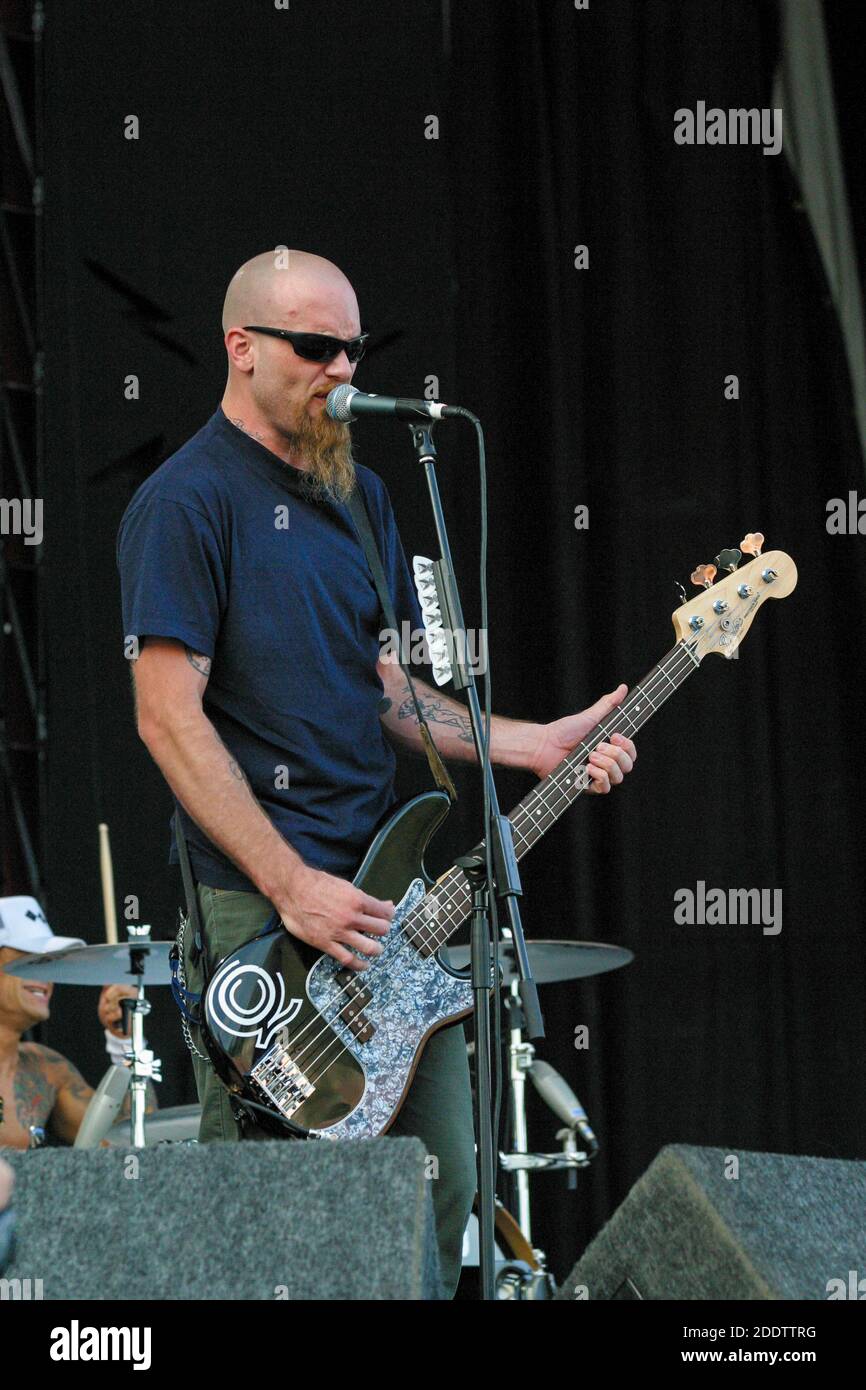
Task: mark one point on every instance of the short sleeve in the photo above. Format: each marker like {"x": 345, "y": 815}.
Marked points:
{"x": 172, "y": 573}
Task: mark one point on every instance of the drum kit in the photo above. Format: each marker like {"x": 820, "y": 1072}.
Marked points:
{"x": 521, "y": 1271}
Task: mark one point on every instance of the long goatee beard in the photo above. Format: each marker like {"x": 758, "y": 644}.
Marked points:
{"x": 326, "y": 447}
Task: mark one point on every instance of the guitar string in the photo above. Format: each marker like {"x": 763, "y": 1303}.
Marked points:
{"x": 677, "y": 661}
{"x": 334, "y": 1023}
{"x": 449, "y": 900}
{"x": 561, "y": 785}
{"x": 683, "y": 648}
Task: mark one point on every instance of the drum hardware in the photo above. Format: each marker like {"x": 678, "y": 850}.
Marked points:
{"x": 552, "y": 961}
{"x": 569, "y": 1157}
{"x": 179, "y": 1124}
{"x": 136, "y": 960}
{"x": 525, "y": 1276}
{"x": 515, "y": 1281}
{"x": 520, "y": 1272}
{"x": 521, "y": 1058}
{"x": 144, "y": 1066}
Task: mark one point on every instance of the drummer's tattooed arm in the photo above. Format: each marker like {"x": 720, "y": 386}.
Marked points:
{"x": 72, "y": 1094}
{"x": 70, "y": 1091}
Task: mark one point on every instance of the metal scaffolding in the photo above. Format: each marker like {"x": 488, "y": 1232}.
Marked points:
{"x": 23, "y": 730}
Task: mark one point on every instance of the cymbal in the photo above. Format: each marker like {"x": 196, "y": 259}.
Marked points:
{"x": 98, "y": 965}
{"x": 551, "y": 961}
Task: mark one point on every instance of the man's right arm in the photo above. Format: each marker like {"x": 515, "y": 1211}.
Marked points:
{"x": 326, "y": 911}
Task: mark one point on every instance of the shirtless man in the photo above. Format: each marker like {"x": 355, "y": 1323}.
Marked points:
{"x": 39, "y": 1088}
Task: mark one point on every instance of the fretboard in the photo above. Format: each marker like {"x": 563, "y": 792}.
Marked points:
{"x": 449, "y": 901}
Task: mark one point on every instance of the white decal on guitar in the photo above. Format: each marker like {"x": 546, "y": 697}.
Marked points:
{"x": 262, "y": 1017}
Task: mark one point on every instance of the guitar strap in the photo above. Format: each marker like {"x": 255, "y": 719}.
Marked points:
{"x": 358, "y": 511}
{"x": 189, "y": 889}
{"x": 188, "y": 1002}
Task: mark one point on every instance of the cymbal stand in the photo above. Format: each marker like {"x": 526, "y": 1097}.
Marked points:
{"x": 144, "y": 1066}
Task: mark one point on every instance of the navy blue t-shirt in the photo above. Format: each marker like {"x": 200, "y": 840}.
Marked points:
{"x": 221, "y": 550}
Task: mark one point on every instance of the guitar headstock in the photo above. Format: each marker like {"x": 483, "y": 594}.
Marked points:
{"x": 719, "y": 618}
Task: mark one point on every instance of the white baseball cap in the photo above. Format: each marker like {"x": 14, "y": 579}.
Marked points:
{"x": 24, "y": 927}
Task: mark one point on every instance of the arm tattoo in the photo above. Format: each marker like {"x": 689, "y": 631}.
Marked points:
{"x": 76, "y": 1086}
{"x": 237, "y": 771}
{"x": 201, "y": 662}
{"x": 438, "y": 712}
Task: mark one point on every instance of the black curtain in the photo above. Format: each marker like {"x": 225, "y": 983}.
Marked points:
{"x": 601, "y": 387}
{"x": 605, "y": 387}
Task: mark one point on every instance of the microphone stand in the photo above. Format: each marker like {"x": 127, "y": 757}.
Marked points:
{"x": 506, "y": 884}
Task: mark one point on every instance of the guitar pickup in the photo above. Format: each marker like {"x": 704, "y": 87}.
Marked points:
{"x": 352, "y": 1013}
{"x": 350, "y": 980}
{"x": 361, "y": 1027}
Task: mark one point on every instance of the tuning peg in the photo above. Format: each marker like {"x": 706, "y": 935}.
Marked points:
{"x": 752, "y": 543}
{"x": 728, "y": 560}
{"x": 703, "y": 575}
{"x": 684, "y": 598}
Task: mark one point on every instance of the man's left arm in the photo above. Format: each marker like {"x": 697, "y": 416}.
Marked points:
{"x": 538, "y": 748}
{"x": 73, "y": 1095}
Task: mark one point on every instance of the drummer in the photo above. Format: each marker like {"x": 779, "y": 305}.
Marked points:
{"x": 39, "y": 1089}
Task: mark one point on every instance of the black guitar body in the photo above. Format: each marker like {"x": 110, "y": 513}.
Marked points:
{"x": 331, "y": 1050}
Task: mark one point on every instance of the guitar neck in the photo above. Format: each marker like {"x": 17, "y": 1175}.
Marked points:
{"x": 449, "y": 901}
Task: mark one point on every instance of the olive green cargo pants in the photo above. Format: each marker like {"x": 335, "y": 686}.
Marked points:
{"x": 437, "y": 1108}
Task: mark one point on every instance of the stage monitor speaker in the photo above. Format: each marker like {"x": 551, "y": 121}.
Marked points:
{"x": 712, "y": 1224}
{"x": 267, "y": 1220}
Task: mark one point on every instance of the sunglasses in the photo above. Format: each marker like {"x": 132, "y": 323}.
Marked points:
{"x": 316, "y": 347}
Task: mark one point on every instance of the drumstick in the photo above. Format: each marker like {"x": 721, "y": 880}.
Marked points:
{"x": 107, "y": 873}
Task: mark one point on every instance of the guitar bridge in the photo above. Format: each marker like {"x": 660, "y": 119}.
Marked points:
{"x": 281, "y": 1080}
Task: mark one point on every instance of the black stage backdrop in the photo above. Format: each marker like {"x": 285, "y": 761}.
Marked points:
{"x": 602, "y": 387}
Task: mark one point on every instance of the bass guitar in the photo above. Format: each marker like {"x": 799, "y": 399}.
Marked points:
{"x": 329, "y": 1052}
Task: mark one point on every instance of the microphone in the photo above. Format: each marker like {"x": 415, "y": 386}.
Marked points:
{"x": 346, "y": 403}
{"x": 557, "y": 1093}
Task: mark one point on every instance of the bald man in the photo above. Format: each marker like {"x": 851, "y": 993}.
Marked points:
{"x": 253, "y": 623}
